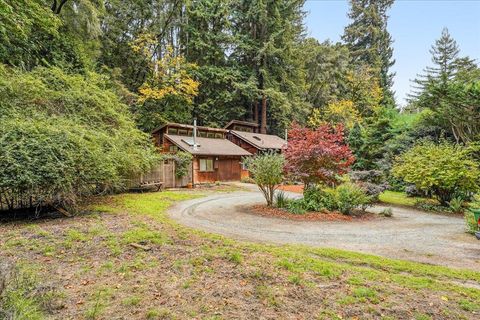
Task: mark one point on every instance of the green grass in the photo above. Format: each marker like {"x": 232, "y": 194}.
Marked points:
{"x": 326, "y": 262}
{"x": 398, "y": 198}
{"x": 369, "y": 278}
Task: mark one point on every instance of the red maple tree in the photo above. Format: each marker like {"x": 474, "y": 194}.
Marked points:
{"x": 317, "y": 155}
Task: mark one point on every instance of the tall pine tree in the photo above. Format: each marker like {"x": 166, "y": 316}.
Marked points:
{"x": 268, "y": 36}
{"x": 445, "y": 65}
{"x": 370, "y": 42}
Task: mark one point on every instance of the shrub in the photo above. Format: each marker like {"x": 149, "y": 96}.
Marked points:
{"x": 387, "y": 212}
{"x": 443, "y": 170}
{"x": 412, "y": 191}
{"x": 456, "y": 204}
{"x": 373, "y": 190}
{"x": 267, "y": 171}
{"x": 64, "y": 137}
{"x": 317, "y": 156}
{"x": 372, "y": 176}
{"x": 281, "y": 200}
{"x": 344, "y": 198}
{"x": 349, "y": 196}
{"x": 296, "y": 206}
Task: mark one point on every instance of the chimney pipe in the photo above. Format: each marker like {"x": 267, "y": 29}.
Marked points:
{"x": 195, "y": 134}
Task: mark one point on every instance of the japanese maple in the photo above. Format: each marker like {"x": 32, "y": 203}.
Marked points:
{"x": 317, "y": 156}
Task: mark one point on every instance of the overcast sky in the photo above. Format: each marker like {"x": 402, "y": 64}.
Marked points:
{"x": 414, "y": 26}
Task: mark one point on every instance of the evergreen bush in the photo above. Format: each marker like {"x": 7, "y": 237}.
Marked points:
{"x": 64, "y": 137}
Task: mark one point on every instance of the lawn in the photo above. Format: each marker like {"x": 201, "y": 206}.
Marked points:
{"x": 397, "y": 198}
{"x": 128, "y": 259}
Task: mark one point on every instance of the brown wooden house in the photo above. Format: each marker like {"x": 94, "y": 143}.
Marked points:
{"x": 214, "y": 157}
{"x": 247, "y": 136}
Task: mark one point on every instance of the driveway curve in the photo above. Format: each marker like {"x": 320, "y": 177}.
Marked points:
{"x": 409, "y": 234}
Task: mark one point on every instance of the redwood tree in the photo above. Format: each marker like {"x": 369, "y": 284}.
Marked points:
{"x": 317, "y": 156}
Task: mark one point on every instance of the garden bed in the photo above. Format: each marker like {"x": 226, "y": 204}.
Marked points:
{"x": 263, "y": 210}
{"x": 296, "y": 188}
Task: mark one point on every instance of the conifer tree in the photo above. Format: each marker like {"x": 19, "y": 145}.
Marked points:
{"x": 370, "y": 43}
{"x": 445, "y": 64}
{"x": 268, "y": 36}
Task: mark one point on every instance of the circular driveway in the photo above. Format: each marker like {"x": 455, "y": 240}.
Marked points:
{"x": 409, "y": 234}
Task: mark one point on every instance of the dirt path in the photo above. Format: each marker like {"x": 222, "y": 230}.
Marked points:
{"x": 410, "y": 234}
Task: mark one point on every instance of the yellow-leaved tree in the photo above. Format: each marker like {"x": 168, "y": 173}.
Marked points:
{"x": 168, "y": 91}
{"x": 336, "y": 112}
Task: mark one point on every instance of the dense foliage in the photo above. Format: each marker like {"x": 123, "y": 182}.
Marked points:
{"x": 344, "y": 198}
{"x": 441, "y": 170}
{"x": 267, "y": 172}
{"x": 317, "y": 156}
{"x": 64, "y": 136}
{"x": 92, "y": 70}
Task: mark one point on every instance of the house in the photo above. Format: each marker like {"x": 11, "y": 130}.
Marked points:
{"x": 215, "y": 158}
{"x": 247, "y": 136}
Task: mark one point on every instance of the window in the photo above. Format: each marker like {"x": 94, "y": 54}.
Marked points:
{"x": 210, "y": 135}
{"x": 206, "y": 165}
{"x": 202, "y": 134}
{"x": 218, "y": 135}
{"x": 182, "y": 132}
{"x": 172, "y": 131}
{"x": 173, "y": 148}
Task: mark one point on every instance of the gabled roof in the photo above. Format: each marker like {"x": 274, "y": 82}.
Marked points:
{"x": 187, "y": 126}
{"x": 243, "y": 123}
{"x": 261, "y": 141}
{"x": 207, "y": 146}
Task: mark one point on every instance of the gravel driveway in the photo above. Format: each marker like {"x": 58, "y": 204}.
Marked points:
{"x": 409, "y": 234}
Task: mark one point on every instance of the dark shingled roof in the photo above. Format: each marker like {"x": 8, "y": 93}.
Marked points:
{"x": 187, "y": 126}
{"x": 208, "y": 146}
{"x": 261, "y": 141}
{"x": 243, "y": 123}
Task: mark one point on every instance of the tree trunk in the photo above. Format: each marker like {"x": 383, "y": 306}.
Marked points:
{"x": 255, "y": 112}
{"x": 263, "y": 126}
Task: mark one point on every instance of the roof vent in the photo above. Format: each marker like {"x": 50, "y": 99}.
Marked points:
{"x": 257, "y": 138}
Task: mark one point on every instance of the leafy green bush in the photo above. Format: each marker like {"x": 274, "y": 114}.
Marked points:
{"x": 456, "y": 205}
{"x": 63, "y": 137}
{"x": 267, "y": 171}
{"x": 443, "y": 170}
{"x": 344, "y": 198}
{"x": 347, "y": 197}
{"x": 296, "y": 206}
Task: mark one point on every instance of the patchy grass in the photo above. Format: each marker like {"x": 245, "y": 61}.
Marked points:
{"x": 180, "y": 273}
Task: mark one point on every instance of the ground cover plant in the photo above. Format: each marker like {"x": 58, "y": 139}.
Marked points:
{"x": 95, "y": 272}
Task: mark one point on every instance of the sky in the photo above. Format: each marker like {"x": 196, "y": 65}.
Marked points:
{"x": 414, "y": 26}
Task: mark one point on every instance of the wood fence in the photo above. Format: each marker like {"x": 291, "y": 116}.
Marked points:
{"x": 163, "y": 173}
